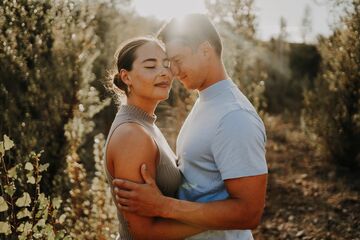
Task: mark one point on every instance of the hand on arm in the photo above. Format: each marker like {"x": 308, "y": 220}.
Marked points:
{"x": 243, "y": 210}
{"x": 142, "y": 199}
{"x": 239, "y": 144}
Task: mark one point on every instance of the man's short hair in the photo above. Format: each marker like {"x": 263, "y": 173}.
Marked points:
{"x": 192, "y": 30}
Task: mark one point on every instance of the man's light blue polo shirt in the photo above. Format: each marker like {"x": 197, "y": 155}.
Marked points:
{"x": 222, "y": 138}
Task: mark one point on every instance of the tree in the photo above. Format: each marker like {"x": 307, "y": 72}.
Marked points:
{"x": 48, "y": 102}
{"x": 306, "y": 24}
{"x": 34, "y": 90}
{"x": 283, "y": 35}
{"x": 332, "y": 110}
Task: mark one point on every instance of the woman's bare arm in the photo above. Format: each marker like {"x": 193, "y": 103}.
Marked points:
{"x": 129, "y": 146}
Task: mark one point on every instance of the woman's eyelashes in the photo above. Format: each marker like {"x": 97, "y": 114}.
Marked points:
{"x": 165, "y": 63}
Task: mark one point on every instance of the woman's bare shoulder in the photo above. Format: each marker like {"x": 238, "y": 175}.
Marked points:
{"x": 130, "y": 146}
{"x": 131, "y": 136}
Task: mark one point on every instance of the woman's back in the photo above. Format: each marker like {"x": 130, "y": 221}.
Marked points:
{"x": 167, "y": 176}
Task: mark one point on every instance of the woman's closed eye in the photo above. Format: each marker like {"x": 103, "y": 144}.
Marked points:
{"x": 150, "y": 63}
{"x": 150, "y": 66}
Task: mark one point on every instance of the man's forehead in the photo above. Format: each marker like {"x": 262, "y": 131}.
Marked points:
{"x": 175, "y": 48}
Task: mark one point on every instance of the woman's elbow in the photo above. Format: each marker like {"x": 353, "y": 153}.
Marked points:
{"x": 142, "y": 232}
{"x": 141, "y": 236}
{"x": 146, "y": 233}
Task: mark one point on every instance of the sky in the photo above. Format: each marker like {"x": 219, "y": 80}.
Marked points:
{"x": 269, "y": 13}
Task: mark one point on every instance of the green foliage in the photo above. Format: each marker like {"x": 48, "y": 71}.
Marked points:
{"x": 36, "y": 79}
{"x": 47, "y": 57}
{"x": 25, "y": 212}
{"x": 332, "y": 109}
{"x": 89, "y": 210}
{"x": 293, "y": 70}
{"x": 102, "y": 217}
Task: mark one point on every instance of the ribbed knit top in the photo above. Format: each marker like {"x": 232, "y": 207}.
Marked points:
{"x": 168, "y": 177}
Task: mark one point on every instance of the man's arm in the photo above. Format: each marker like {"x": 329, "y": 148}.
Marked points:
{"x": 243, "y": 209}
{"x": 238, "y": 148}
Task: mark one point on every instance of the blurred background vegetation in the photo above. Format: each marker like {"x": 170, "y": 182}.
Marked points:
{"x": 55, "y": 114}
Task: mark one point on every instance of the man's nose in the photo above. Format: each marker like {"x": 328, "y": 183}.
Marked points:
{"x": 174, "y": 69}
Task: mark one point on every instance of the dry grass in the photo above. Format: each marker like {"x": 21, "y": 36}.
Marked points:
{"x": 308, "y": 197}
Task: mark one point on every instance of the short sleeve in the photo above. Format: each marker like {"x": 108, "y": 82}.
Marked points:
{"x": 239, "y": 145}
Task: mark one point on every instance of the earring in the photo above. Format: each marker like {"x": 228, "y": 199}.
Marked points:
{"x": 128, "y": 89}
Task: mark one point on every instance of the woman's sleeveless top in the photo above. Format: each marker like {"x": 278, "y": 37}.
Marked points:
{"x": 168, "y": 177}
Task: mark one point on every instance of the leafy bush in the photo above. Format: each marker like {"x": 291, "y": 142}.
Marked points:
{"x": 25, "y": 211}
{"x": 332, "y": 109}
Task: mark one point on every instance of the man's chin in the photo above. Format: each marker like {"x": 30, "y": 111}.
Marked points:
{"x": 187, "y": 85}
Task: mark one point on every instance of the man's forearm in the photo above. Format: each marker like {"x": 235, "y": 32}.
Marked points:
{"x": 221, "y": 215}
{"x": 171, "y": 229}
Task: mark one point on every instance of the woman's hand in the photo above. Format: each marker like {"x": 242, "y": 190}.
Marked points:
{"x": 142, "y": 199}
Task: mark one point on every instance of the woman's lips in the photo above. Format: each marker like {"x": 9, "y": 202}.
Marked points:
{"x": 163, "y": 84}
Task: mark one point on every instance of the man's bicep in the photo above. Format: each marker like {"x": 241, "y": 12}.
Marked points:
{"x": 250, "y": 189}
{"x": 239, "y": 146}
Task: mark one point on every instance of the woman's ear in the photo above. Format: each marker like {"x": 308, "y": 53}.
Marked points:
{"x": 124, "y": 76}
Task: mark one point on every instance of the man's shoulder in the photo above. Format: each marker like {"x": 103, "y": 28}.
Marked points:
{"x": 244, "y": 121}
{"x": 241, "y": 119}
{"x": 232, "y": 99}
{"x": 233, "y": 113}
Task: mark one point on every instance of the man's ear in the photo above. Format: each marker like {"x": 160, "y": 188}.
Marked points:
{"x": 124, "y": 76}
{"x": 206, "y": 49}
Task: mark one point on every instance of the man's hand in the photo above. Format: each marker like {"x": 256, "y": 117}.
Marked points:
{"x": 142, "y": 199}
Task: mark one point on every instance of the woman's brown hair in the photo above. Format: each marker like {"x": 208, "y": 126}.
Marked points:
{"x": 124, "y": 59}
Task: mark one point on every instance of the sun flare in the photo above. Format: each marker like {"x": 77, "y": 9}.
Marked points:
{"x": 165, "y": 9}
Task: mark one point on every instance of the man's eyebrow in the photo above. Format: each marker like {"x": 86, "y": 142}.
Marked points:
{"x": 175, "y": 57}
{"x": 149, "y": 60}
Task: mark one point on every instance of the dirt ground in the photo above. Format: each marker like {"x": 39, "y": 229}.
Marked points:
{"x": 308, "y": 197}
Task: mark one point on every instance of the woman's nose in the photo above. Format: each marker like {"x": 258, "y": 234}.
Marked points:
{"x": 165, "y": 72}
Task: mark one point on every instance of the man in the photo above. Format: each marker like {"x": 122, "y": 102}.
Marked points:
{"x": 221, "y": 146}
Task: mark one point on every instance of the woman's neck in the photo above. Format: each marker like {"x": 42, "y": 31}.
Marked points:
{"x": 146, "y": 105}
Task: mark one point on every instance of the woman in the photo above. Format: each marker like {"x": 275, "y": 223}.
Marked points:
{"x": 145, "y": 78}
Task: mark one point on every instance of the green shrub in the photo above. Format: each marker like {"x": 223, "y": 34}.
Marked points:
{"x": 332, "y": 109}
{"x": 26, "y": 212}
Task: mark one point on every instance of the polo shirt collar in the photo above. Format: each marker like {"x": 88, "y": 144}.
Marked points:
{"x": 215, "y": 89}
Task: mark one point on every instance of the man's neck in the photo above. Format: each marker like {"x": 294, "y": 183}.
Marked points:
{"x": 215, "y": 74}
